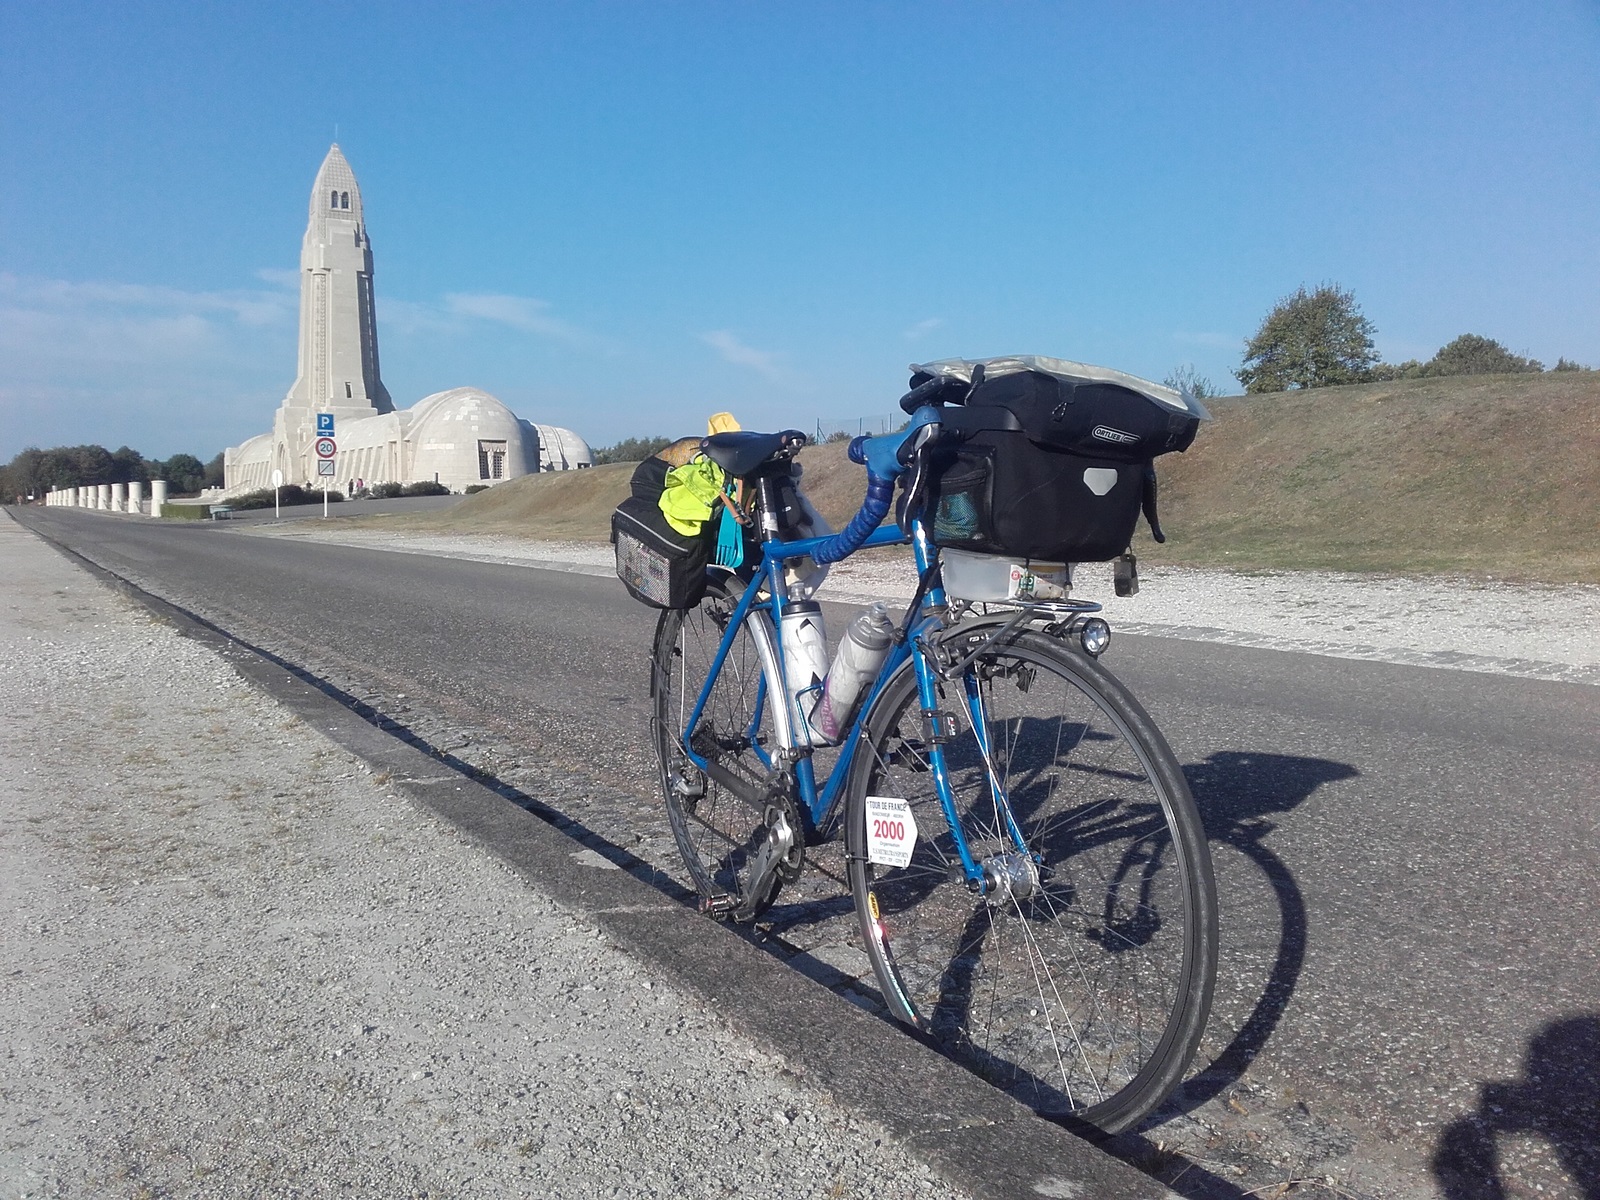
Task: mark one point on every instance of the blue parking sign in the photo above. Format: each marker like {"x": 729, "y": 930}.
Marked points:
{"x": 324, "y": 424}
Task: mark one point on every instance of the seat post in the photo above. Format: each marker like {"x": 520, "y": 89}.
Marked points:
{"x": 769, "y": 507}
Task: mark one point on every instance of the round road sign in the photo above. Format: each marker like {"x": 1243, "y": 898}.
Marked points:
{"x": 326, "y": 448}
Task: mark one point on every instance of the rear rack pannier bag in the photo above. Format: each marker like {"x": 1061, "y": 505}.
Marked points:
{"x": 658, "y": 565}
{"x": 1052, "y": 463}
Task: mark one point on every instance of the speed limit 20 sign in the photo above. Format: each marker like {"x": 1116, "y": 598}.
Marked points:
{"x": 326, "y": 447}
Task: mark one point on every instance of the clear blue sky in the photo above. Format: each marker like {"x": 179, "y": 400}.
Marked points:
{"x": 622, "y": 217}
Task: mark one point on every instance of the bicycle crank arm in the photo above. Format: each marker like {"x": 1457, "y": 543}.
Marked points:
{"x": 740, "y": 788}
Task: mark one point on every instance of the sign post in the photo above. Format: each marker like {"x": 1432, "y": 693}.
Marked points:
{"x": 326, "y": 448}
{"x": 277, "y": 482}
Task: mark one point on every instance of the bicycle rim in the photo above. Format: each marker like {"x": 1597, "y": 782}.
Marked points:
{"x": 1080, "y": 988}
{"x": 715, "y": 830}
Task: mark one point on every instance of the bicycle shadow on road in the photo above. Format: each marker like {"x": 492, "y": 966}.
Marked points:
{"x": 1557, "y": 1098}
{"x": 1236, "y": 793}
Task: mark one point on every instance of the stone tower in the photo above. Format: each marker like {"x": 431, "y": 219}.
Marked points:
{"x": 338, "y": 327}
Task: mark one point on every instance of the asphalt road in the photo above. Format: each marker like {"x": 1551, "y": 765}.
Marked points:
{"x": 1408, "y": 859}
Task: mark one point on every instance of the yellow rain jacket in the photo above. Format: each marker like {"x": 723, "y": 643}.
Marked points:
{"x": 691, "y": 496}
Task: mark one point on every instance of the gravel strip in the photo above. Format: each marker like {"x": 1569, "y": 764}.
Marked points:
{"x": 237, "y": 964}
{"x": 1531, "y": 630}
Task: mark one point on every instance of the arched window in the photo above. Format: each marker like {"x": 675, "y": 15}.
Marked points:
{"x": 333, "y": 200}
{"x": 344, "y": 199}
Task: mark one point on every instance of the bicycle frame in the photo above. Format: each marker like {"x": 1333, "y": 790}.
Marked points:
{"x": 821, "y": 804}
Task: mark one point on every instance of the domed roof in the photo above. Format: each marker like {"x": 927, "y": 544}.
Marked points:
{"x": 471, "y": 405}
{"x": 256, "y": 448}
{"x": 562, "y": 449}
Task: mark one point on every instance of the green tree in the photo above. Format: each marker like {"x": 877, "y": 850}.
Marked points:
{"x": 1566, "y": 364}
{"x": 1309, "y": 339}
{"x": 88, "y": 465}
{"x": 215, "y": 470}
{"x": 128, "y": 464}
{"x": 1384, "y": 372}
{"x": 1471, "y": 354}
{"x": 25, "y": 475}
{"x": 1187, "y": 379}
{"x": 184, "y": 473}
{"x": 631, "y": 450}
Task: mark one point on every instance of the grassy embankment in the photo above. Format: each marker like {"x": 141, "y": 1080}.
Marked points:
{"x": 1486, "y": 476}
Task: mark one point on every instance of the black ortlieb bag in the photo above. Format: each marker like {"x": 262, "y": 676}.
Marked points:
{"x": 1048, "y": 465}
{"x": 1049, "y": 468}
{"x": 999, "y": 493}
{"x": 658, "y": 565}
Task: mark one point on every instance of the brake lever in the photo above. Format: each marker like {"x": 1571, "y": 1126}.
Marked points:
{"x": 917, "y": 461}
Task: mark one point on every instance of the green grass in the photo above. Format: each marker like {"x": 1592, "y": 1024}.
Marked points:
{"x": 1479, "y": 475}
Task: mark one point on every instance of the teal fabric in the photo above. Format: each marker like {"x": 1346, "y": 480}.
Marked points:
{"x": 730, "y": 540}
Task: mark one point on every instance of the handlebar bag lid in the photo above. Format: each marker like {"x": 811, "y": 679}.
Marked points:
{"x": 1077, "y": 407}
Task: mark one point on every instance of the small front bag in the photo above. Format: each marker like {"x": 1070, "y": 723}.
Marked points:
{"x": 658, "y": 565}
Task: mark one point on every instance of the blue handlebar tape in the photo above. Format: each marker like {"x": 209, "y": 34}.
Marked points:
{"x": 880, "y": 496}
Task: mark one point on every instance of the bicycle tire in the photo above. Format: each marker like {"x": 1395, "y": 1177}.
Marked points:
{"x": 1085, "y": 999}
{"x": 716, "y": 831}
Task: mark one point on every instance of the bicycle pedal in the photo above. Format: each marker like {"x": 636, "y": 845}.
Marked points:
{"x": 719, "y": 908}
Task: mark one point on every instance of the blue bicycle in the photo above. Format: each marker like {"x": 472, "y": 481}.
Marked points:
{"x": 1031, "y": 878}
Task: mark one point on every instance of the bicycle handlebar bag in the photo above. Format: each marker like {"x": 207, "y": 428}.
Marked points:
{"x": 1051, "y": 458}
{"x": 658, "y": 565}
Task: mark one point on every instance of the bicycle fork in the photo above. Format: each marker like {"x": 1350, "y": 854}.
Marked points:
{"x": 1003, "y": 877}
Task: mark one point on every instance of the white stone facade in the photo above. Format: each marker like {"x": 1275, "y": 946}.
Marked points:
{"x": 459, "y": 438}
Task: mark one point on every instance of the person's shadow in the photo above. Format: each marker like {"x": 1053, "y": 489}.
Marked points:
{"x": 1236, "y": 792}
{"x": 1558, "y": 1098}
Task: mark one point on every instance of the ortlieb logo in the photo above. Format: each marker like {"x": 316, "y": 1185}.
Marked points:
{"x": 1106, "y": 434}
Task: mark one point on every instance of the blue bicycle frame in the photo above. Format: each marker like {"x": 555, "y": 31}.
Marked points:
{"x": 822, "y": 804}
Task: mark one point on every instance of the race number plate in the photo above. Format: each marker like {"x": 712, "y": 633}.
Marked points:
{"x": 891, "y": 831}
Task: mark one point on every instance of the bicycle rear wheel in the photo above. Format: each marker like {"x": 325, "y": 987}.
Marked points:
{"x": 1080, "y": 984}
{"x": 718, "y": 825}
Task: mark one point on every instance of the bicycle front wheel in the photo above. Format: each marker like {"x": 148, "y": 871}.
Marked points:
{"x": 1078, "y": 975}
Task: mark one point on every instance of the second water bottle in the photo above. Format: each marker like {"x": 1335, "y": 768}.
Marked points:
{"x": 855, "y": 667}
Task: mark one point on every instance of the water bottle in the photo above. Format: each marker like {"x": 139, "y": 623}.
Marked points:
{"x": 855, "y": 667}
{"x": 805, "y": 662}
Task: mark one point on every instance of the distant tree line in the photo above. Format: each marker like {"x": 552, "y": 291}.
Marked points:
{"x": 630, "y": 450}
{"x": 1320, "y": 338}
{"x": 34, "y": 472}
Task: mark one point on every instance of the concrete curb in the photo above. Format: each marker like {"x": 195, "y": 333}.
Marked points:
{"x": 975, "y": 1136}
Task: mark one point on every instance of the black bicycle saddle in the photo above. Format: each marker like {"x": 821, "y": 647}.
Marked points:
{"x": 741, "y": 453}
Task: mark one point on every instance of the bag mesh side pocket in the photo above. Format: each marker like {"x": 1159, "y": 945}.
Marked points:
{"x": 963, "y": 501}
